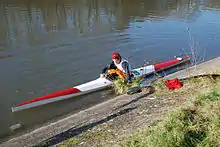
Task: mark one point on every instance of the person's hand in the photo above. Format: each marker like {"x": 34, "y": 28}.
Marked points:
{"x": 102, "y": 75}
{"x": 129, "y": 81}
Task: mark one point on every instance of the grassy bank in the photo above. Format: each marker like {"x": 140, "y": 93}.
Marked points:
{"x": 197, "y": 123}
{"x": 193, "y": 121}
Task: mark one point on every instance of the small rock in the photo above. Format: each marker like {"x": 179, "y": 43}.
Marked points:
{"x": 111, "y": 120}
{"x": 151, "y": 98}
{"x": 80, "y": 134}
{"x": 140, "y": 113}
{"x": 30, "y": 92}
{"x": 15, "y": 127}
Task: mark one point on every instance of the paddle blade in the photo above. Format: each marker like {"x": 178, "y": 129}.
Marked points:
{"x": 134, "y": 90}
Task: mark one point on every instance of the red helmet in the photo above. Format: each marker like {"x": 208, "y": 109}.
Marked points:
{"x": 116, "y": 55}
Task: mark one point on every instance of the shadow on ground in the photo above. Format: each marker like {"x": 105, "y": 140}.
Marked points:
{"x": 77, "y": 131}
{"x": 151, "y": 90}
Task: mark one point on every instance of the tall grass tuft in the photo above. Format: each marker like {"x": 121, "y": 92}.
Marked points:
{"x": 121, "y": 86}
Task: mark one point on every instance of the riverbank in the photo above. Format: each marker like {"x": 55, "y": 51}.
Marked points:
{"x": 110, "y": 122}
{"x": 195, "y": 123}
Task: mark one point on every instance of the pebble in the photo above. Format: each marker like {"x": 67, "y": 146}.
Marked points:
{"x": 99, "y": 129}
{"x": 151, "y": 98}
{"x": 30, "y": 92}
{"x": 80, "y": 134}
{"x": 141, "y": 112}
{"x": 15, "y": 127}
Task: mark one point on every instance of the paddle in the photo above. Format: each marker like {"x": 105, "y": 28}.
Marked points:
{"x": 137, "y": 89}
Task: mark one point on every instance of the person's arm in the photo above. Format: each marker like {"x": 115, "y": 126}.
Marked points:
{"x": 110, "y": 66}
{"x": 125, "y": 66}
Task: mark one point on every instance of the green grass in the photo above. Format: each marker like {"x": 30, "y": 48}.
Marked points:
{"x": 196, "y": 123}
{"x": 189, "y": 126}
{"x": 191, "y": 86}
{"x": 121, "y": 87}
{"x": 88, "y": 136}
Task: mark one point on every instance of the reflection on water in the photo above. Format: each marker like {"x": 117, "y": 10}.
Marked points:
{"x": 49, "y": 45}
{"x": 28, "y": 24}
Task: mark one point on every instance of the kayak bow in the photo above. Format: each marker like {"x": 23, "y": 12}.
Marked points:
{"x": 95, "y": 85}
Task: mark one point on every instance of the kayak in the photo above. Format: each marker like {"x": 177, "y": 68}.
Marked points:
{"x": 95, "y": 85}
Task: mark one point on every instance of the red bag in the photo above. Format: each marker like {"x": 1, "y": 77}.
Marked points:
{"x": 173, "y": 84}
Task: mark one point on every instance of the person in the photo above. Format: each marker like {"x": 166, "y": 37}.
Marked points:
{"x": 119, "y": 68}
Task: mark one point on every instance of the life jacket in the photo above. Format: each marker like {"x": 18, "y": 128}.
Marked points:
{"x": 119, "y": 70}
{"x": 173, "y": 84}
{"x": 119, "y": 66}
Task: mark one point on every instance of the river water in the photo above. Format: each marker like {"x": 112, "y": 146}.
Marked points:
{"x": 50, "y": 45}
